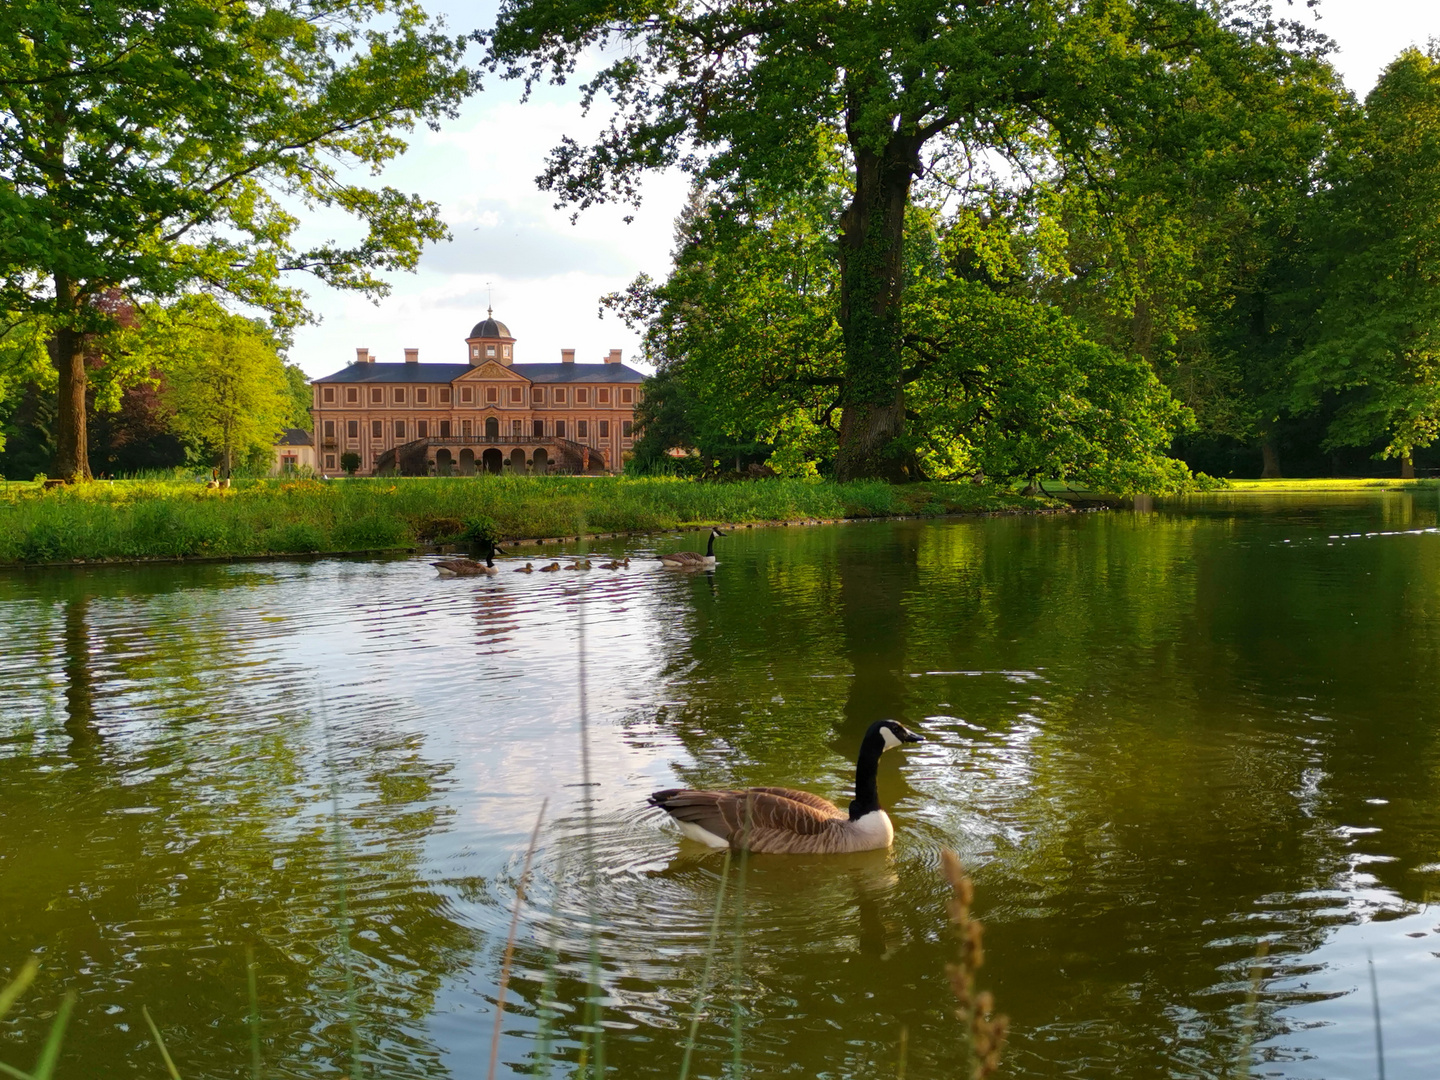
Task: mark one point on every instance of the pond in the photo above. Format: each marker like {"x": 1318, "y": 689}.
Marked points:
{"x": 1190, "y": 758}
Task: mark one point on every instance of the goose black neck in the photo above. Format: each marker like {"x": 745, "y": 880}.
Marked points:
{"x": 710, "y": 548}
{"x": 867, "y": 795}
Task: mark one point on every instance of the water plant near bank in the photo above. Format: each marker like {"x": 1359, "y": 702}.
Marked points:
{"x": 163, "y": 519}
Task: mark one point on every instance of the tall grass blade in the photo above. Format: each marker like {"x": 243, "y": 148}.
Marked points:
{"x": 737, "y": 1010}
{"x": 1375, "y": 1006}
{"x": 256, "y": 1066}
{"x": 595, "y": 1033}
{"x": 164, "y": 1053}
{"x": 510, "y": 940}
{"x": 1252, "y": 1005}
{"x": 50, "y": 1052}
{"x": 347, "y": 956}
{"x": 18, "y": 985}
{"x": 904, "y": 1047}
{"x": 705, "y": 971}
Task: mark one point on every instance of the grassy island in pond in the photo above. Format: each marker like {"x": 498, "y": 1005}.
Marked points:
{"x": 140, "y": 519}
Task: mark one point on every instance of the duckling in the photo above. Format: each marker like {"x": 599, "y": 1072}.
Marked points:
{"x": 610, "y": 566}
{"x": 528, "y": 568}
{"x": 552, "y": 566}
{"x": 579, "y": 564}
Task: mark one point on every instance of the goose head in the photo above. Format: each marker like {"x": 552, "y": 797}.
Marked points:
{"x": 890, "y": 734}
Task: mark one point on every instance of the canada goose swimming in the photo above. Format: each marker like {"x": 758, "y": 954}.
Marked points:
{"x": 469, "y": 567}
{"x": 528, "y": 568}
{"x": 782, "y": 821}
{"x": 548, "y": 569}
{"x": 687, "y": 559}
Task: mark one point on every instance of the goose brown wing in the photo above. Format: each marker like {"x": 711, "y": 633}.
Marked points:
{"x": 825, "y": 806}
{"x": 767, "y": 811}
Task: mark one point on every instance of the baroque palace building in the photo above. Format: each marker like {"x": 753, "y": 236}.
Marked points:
{"x": 488, "y": 414}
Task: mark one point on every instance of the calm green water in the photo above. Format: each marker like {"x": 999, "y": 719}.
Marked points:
{"x": 1158, "y": 740}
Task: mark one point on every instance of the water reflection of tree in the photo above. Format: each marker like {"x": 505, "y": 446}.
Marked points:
{"x": 197, "y": 824}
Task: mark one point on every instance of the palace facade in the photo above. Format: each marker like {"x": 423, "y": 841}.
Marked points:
{"x": 488, "y": 414}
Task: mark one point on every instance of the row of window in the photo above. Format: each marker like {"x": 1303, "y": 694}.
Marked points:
{"x": 444, "y": 428}
{"x": 489, "y": 352}
{"x": 558, "y": 395}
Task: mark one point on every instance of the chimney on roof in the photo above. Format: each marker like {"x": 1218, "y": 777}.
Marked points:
{"x": 412, "y": 356}
{"x": 614, "y": 357}
{"x": 362, "y": 356}
{"x": 567, "y": 356}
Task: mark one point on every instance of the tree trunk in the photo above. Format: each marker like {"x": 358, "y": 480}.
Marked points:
{"x": 872, "y": 244}
{"x": 1271, "y": 457}
{"x": 1407, "y": 467}
{"x": 72, "y": 460}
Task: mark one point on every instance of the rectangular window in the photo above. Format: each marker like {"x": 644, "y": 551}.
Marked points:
{"x": 327, "y": 395}
{"x": 492, "y": 395}
{"x": 537, "y": 395}
{"x": 377, "y": 396}
{"x": 604, "y": 429}
{"x": 559, "y": 429}
{"x": 422, "y": 396}
{"x": 352, "y": 429}
{"x": 399, "y": 395}
{"x": 475, "y": 352}
{"x": 624, "y": 429}
{"x": 444, "y": 395}
{"x": 465, "y": 428}
{"x": 422, "y": 429}
{"x": 489, "y": 350}
{"x": 627, "y": 396}
{"x": 559, "y": 395}
{"x": 516, "y": 427}
{"x": 581, "y": 395}
{"x": 399, "y": 429}
{"x": 352, "y": 395}
{"x": 467, "y": 394}
{"x": 329, "y": 461}
{"x": 507, "y": 350}
{"x": 604, "y": 396}
{"x": 444, "y": 429}
{"x": 377, "y": 429}
{"x": 537, "y": 428}
{"x": 329, "y": 429}
{"x": 582, "y": 429}
{"x": 515, "y": 394}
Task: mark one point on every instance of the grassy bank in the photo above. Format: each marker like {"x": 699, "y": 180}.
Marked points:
{"x": 142, "y": 519}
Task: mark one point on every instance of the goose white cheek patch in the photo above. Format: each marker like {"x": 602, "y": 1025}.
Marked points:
{"x": 890, "y": 740}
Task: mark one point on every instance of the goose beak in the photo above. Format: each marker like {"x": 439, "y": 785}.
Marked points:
{"x": 910, "y": 736}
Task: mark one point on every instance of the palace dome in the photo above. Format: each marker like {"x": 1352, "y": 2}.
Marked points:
{"x": 489, "y": 327}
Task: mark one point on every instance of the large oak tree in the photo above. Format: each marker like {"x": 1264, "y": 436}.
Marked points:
{"x": 165, "y": 146}
{"x": 736, "y": 90}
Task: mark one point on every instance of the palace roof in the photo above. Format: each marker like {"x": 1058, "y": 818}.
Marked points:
{"x": 444, "y": 373}
{"x": 294, "y": 436}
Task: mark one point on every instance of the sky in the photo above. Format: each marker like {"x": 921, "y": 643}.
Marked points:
{"x": 545, "y": 275}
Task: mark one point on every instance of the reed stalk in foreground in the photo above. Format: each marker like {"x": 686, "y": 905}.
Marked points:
{"x": 977, "y": 1011}
{"x": 50, "y": 1052}
{"x": 510, "y": 940}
